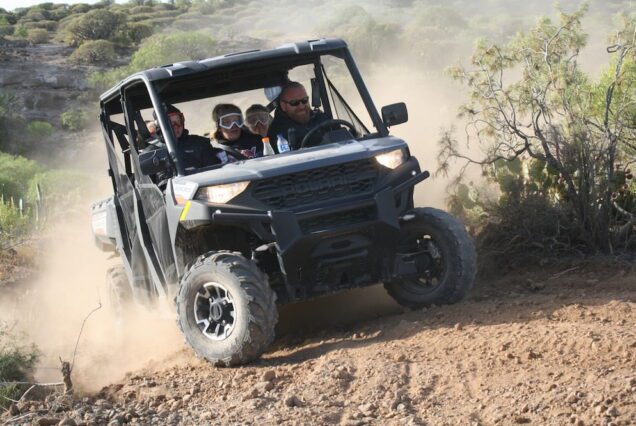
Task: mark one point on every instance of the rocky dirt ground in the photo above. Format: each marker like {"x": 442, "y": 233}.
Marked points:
{"x": 552, "y": 346}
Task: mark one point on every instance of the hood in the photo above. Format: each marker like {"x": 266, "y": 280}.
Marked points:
{"x": 295, "y": 161}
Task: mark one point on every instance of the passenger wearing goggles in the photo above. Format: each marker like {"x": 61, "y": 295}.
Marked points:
{"x": 230, "y": 132}
{"x": 194, "y": 151}
{"x": 294, "y": 111}
{"x": 257, "y": 119}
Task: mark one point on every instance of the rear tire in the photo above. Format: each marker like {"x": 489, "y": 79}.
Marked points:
{"x": 436, "y": 239}
{"x": 120, "y": 298}
{"x": 226, "y": 309}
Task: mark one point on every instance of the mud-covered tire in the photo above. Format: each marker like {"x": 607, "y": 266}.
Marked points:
{"x": 253, "y": 303}
{"x": 457, "y": 252}
{"x": 119, "y": 292}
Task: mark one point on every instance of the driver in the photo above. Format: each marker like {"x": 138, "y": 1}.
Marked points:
{"x": 294, "y": 112}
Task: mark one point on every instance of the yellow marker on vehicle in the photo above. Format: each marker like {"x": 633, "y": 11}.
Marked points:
{"x": 184, "y": 213}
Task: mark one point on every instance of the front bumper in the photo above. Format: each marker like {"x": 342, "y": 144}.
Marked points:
{"x": 343, "y": 244}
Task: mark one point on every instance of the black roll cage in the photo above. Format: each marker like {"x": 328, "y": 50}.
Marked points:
{"x": 141, "y": 90}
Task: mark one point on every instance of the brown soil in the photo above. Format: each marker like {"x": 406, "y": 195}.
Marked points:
{"x": 551, "y": 347}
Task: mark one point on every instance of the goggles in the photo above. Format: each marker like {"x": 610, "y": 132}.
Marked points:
{"x": 296, "y": 102}
{"x": 254, "y": 118}
{"x": 230, "y": 120}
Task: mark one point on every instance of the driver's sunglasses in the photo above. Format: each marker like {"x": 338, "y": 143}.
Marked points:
{"x": 230, "y": 120}
{"x": 296, "y": 102}
{"x": 254, "y": 118}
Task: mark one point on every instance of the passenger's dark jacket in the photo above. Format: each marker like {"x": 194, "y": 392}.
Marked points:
{"x": 195, "y": 152}
{"x": 246, "y": 142}
{"x": 282, "y": 123}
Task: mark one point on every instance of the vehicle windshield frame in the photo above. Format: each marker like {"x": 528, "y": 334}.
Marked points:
{"x": 158, "y": 93}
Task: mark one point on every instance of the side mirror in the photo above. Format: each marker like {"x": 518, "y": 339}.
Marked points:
{"x": 395, "y": 114}
{"x": 154, "y": 161}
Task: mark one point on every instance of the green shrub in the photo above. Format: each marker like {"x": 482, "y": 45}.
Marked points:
{"x": 60, "y": 13}
{"x": 35, "y": 14}
{"x": 136, "y": 32}
{"x": 39, "y": 130}
{"x": 13, "y": 224}
{"x": 159, "y": 49}
{"x": 16, "y": 362}
{"x": 15, "y": 174}
{"x": 162, "y": 49}
{"x": 98, "y": 24}
{"x": 140, "y": 9}
{"x": 183, "y": 4}
{"x": 154, "y": 15}
{"x": 158, "y": 22}
{"x": 45, "y": 25}
{"x": 5, "y": 27}
{"x": 38, "y": 36}
{"x": 207, "y": 7}
{"x": 60, "y": 187}
{"x": 73, "y": 120}
{"x": 164, "y": 6}
{"x": 94, "y": 52}
{"x": 8, "y": 18}
{"x": 21, "y": 31}
{"x": 80, "y": 8}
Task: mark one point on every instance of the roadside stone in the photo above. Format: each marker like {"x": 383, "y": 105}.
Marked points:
{"x": 293, "y": 401}
{"x": 67, "y": 421}
{"x": 458, "y": 327}
{"x": 534, "y": 285}
{"x": 612, "y": 411}
{"x": 264, "y": 386}
{"x": 186, "y": 398}
{"x": 572, "y": 398}
{"x": 344, "y": 375}
{"x": 269, "y": 376}
{"x": 206, "y": 415}
{"x": 368, "y": 409}
{"x": 13, "y": 409}
{"x": 251, "y": 394}
{"x": 47, "y": 421}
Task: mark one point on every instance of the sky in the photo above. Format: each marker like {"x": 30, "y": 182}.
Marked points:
{"x": 12, "y": 4}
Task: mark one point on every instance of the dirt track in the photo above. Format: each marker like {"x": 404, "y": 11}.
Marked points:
{"x": 531, "y": 348}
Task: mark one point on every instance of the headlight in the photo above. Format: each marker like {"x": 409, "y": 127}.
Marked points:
{"x": 183, "y": 191}
{"x": 391, "y": 159}
{"x": 221, "y": 194}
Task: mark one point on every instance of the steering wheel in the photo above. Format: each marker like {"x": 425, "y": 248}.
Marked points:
{"x": 321, "y": 128}
{"x": 231, "y": 151}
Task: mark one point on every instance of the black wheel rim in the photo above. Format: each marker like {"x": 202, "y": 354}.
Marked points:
{"x": 214, "y": 311}
{"x": 429, "y": 259}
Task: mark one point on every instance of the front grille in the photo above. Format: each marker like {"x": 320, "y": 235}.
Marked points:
{"x": 336, "y": 220}
{"x": 318, "y": 185}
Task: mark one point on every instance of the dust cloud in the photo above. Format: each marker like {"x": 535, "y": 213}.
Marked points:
{"x": 51, "y": 309}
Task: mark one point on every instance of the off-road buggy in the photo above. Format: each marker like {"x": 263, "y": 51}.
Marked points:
{"x": 230, "y": 242}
